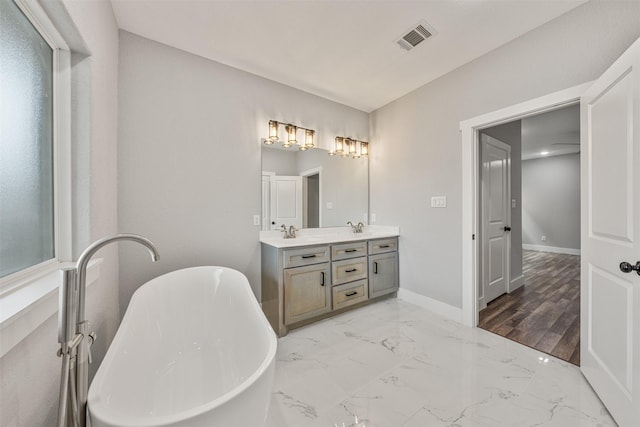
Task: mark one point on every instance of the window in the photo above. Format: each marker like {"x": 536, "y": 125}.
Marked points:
{"x": 28, "y": 142}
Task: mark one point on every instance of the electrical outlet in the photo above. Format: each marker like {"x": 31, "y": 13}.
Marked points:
{"x": 543, "y": 238}
{"x": 256, "y": 220}
{"x": 439, "y": 202}
{"x": 513, "y": 203}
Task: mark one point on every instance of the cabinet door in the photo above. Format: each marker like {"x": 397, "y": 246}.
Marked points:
{"x": 383, "y": 274}
{"x": 307, "y": 292}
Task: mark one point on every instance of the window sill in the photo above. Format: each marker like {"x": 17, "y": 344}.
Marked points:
{"x": 27, "y": 307}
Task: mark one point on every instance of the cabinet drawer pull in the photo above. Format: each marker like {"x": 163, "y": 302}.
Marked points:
{"x": 308, "y": 256}
{"x": 375, "y": 267}
{"x": 383, "y": 246}
{"x": 351, "y": 270}
{"x": 350, "y": 294}
{"x": 351, "y": 250}
{"x": 322, "y": 278}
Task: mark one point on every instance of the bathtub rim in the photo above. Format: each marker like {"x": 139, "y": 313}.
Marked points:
{"x": 163, "y": 420}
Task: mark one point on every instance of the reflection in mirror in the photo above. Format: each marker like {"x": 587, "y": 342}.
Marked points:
{"x": 310, "y": 189}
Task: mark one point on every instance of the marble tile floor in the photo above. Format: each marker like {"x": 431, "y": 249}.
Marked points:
{"x": 394, "y": 364}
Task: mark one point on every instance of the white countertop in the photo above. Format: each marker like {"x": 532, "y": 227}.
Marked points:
{"x": 321, "y": 236}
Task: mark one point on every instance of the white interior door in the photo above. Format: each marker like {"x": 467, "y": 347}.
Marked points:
{"x": 286, "y": 201}
{"x": 610, "y": 298}
{"x": 495, "y": 195}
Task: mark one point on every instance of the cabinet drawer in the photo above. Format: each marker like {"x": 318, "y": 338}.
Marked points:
{"x": 305, "y": 256}
{"x": 348, "y": 250}
{"x": 348, "y": 270}
{"x": 349, "y": 294}
{"x": 383, "y": 245}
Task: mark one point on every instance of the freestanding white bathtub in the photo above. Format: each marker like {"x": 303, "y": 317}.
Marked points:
{"x": 193, "y": 349}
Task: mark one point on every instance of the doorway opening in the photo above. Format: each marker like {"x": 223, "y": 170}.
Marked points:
{"x": 529, "y": 216}
{"x": 311, "y": 201}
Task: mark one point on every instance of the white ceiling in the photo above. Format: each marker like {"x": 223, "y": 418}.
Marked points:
{"x": 341, "y": 50}
{"x": 556, "y": 133}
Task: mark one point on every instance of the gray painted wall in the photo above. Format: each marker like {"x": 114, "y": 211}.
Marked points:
{"x": 30, "y": 371}
{"x": 189, "y": 157}
{"x": 551, "y": 201}
{"x": 511, "y": 134}
{"x": 416, "y": 144}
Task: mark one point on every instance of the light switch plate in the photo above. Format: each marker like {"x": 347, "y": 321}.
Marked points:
{"x": 513, "y": 203}
{"x": 439, "y": 201}
{"x": 373, "y": 217}
{"x": 256, "y": 220}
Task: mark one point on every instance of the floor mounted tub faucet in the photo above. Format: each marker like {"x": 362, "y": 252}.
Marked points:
{"x": 75, "y": 340}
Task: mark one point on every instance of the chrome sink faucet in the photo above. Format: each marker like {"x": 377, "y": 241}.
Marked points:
{"x": 358, "y": 228}
{"x": 289, "y": 233}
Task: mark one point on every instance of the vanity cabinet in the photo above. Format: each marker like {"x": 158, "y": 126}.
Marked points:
{"x": 302, "y": 284}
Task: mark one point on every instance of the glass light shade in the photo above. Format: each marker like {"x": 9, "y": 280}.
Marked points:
{"x": 332, "y": 153}
{"x": 308, "y": 138}
{"x": 352, "y": 147}
{"x": 364, "y": 148}
{"x": 291, "y": 135}
{"x": 347, "y": 148}
{"x": 339, "y": 145}
{"x": 355, "y": 153}
{"x": 273, "y": 132}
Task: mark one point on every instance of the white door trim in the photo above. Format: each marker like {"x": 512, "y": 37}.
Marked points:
{"x": 470, "y": 152}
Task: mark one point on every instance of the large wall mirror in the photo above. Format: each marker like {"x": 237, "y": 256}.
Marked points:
{"x": 310, "y": 189}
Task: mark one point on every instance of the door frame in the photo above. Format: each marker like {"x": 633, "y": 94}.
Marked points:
{"x": 470, "y": 129}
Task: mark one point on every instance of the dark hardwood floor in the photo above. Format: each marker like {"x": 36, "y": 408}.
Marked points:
{"x": 545, "y": 312}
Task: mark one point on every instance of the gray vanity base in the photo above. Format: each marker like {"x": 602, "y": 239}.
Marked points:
{"x": 304, "y": 284}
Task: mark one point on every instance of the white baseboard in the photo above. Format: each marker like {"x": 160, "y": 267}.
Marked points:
{"x": 516, "y": 283}
{"x": 435, "y": 306}
{"x": 553, "y": 249}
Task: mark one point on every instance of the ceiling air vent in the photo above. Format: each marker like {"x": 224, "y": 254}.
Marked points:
{"x": 416, "y": 35}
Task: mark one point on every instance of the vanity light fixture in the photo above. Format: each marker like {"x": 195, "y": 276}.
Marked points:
{"x": 349, "y": 147}
{"x": 291, "y": 137}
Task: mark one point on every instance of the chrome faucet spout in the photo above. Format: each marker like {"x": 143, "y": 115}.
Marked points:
{"x": 83, "y": 261}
